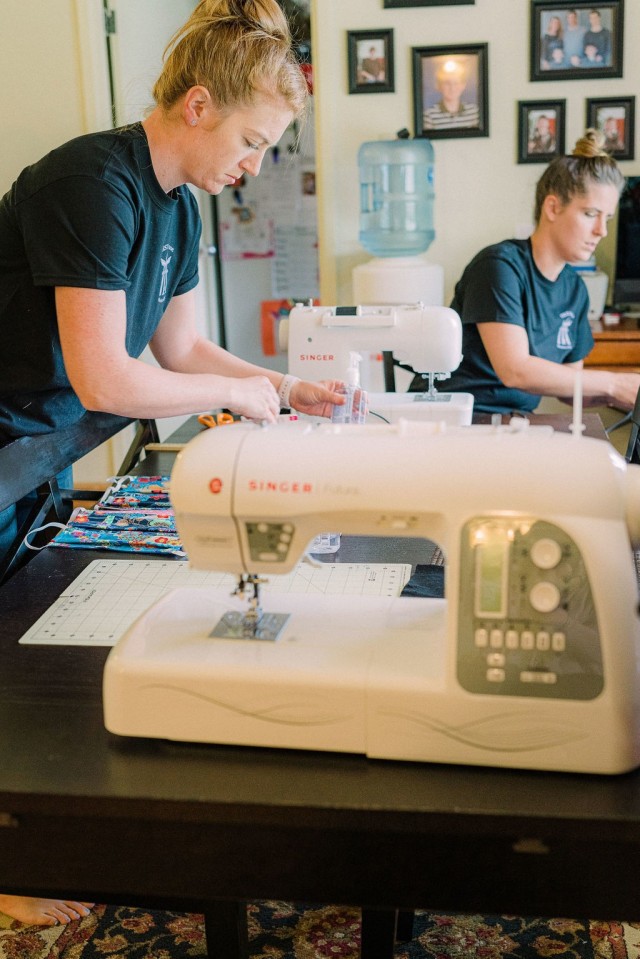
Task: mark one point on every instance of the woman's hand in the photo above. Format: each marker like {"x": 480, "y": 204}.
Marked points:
{"x": 253, "y": 397}
{"x": 316, "y": 399}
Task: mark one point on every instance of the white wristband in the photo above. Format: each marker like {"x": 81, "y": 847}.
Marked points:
{"x": 284, "y": 390}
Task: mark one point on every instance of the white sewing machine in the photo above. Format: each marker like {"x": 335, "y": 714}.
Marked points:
{"x": 429, "y": 338}
{"x": 531, "y": 661}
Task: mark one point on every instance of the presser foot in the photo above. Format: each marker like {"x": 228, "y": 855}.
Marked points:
{"x": 254, "y": 624}
{"x": 235, "y": 625}
{"x": 430, "y": 395}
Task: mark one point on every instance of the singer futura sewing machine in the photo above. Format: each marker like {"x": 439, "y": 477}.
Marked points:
{"x": 531, "y": 660}
{"x": 319, "y": 339}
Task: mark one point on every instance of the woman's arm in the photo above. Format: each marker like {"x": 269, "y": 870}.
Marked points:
{"x": 177, "y": 345}
{"x": 507, "y": 347}
{"x": 194, "y": 375}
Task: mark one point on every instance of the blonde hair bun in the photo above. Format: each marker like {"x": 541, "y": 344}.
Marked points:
{"x": 569, "y": 176}
{"x": 239, "y": 50}
{"x": 591, "y": 144}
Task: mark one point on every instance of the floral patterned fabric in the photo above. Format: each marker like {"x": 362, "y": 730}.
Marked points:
{"x": 134, "y": 515}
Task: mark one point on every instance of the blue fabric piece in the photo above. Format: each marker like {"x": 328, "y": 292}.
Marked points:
{"x": 426, "y": 582}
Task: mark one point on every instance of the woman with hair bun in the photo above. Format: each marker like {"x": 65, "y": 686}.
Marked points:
{"x": 524, "y": 310}
{"x": 99, "y": 245}
{"x": 99, "y": 240}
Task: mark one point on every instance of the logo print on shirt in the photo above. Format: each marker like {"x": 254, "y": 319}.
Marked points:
{"x": 165, "y": 261}
{"x": 563, "y": 341}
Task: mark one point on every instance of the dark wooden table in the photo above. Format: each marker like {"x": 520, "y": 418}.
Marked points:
{"x": 92, "y": 816}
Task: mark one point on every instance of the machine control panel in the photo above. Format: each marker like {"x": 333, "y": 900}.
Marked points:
{"x": 269, "y": 542}
{"x": 526, "y": 620}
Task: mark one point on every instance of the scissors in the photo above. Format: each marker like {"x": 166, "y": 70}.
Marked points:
{"x": 215, "y": 419}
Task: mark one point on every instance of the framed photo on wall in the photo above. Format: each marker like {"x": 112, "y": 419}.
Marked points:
{"x": 615, "y": 117}
{"x": 427, "y": 3}
{"x": 370, "y": 59}
{"x": 450, "y": 91}
{"x": 576, "y": 41}
{"x": 540, "y": 130}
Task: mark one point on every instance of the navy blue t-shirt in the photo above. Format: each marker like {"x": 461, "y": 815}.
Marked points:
{"x": 502, "y": 284}
{"x": 89, "y": 214}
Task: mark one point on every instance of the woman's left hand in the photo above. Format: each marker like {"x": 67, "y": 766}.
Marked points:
{"x": 316, "y": 399}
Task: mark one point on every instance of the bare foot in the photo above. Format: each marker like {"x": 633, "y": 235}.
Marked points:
{"x": 43, "y": 912}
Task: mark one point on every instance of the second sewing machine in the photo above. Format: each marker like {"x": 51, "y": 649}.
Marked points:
{"x": 428, "y": 339}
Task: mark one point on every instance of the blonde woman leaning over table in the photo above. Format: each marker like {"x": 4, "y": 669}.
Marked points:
{"x": 99, "y": 249}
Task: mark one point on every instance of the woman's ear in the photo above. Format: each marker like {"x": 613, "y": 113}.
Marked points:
{"x": 552, "y": 206}
{"x": 195, "y": 103}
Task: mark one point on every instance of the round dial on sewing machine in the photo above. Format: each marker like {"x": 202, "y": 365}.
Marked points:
{"x": 546, "y": 553}
{"x": 544, "y": 597}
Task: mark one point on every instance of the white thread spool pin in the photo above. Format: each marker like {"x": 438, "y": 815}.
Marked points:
{"x": 577, "y": 426}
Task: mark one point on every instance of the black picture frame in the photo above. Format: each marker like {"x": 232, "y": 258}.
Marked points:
{"x": 559, "y": 34}
{"x": 615, "y": 117}
{"x": 428, "y": 3}
{"x": 370, "y": 59}
{"x": 432, "y": 66}
{"x": 541, "y": 130}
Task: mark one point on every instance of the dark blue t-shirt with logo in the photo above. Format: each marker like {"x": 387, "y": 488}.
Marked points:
{"x": 89, "y": 214}
{"x": 502, "y": 284}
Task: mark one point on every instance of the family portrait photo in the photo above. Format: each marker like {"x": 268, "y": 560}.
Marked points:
{"x": 450, "y": 91}
{"x": 573, "y": 41}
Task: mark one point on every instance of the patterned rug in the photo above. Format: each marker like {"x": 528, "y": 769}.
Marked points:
{"x": 280, "y": 930}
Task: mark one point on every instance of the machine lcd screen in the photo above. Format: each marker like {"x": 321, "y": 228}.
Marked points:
{"x": 491, "y": 579}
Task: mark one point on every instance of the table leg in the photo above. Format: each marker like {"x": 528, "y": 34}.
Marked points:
{"x": 404, "y": 925}
{"x": 378, "y": 933}
{"x": 225, "y": 925}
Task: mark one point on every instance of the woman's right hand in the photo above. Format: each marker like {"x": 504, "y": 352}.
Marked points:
{"x": 254, "y": 397}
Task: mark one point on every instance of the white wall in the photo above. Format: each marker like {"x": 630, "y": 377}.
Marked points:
{"x": 482, "y": 194}
{"x": 42, "y": 93}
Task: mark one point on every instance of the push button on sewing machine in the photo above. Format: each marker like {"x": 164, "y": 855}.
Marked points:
{"x": 543, "y": 641}
{"x": 538, "y": 676}
{"x": 527, "y": 639}
{"x": 496, "y": 675}
{"x": 481, "y": 637}
{"x": 512, "y": 639}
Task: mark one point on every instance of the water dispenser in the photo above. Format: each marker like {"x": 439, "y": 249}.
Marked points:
{"x": 396, "y": 223}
